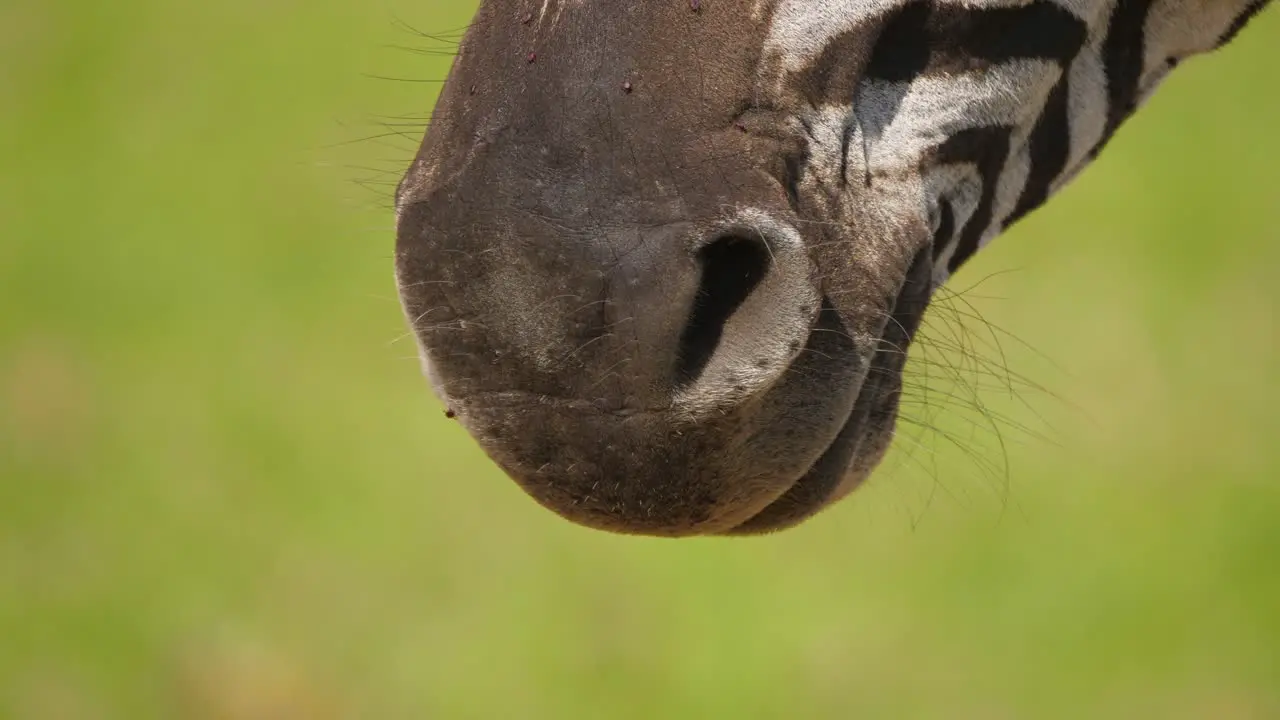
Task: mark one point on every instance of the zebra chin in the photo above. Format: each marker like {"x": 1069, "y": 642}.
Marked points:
{"x": 746, "y": 466}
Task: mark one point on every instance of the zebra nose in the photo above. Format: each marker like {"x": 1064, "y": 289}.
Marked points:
{"x": 731, "y": 267}
{"x": 689, "y": 316}
{"x": 697, "y": 323}
{"x": 629, "y": 384}
{"x": 713, "y": 359}
{"x": 754, "y": 307}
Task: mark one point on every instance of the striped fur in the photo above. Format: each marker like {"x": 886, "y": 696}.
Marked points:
{"x": 974, "y": 112}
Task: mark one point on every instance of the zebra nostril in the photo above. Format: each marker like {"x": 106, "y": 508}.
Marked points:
{"x": 732, "y": 268}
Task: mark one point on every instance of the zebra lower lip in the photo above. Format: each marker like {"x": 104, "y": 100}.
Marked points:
{"x": 866, "y": 433}
{"x": 835, "y": 473}
{"x": 815, "y": 489}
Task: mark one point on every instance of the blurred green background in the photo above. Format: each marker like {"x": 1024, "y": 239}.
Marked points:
{"x": 225, "y": 492}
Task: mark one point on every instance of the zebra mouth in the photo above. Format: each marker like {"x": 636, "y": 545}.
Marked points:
{"x": 766, "y": 465}
{"x": 867, "y": 432}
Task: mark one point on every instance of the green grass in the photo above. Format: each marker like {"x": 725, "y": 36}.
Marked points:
{"x": 226, "y": 493}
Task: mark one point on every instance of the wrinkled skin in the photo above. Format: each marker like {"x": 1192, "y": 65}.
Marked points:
{"x": 626, "y": 295}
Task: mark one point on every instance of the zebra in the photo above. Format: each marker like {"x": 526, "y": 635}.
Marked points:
{"x": 664, "y": 259}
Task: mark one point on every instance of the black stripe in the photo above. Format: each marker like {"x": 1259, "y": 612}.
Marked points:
{"x": 988, "y": 148}
{"x": 1241, "y": 20}
{"x": 1122, "y": 56}
{"x": 1049, "y": 147}
{"x": 928, "y": 37}
{"x": 793, "y": 168}
{"x": 946, "y": 228}
{"x": 845, "y": 139}
{"x": 833, "y": 76}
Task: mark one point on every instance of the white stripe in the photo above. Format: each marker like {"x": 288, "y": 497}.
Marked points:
{"x": 1087, "y": 101}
